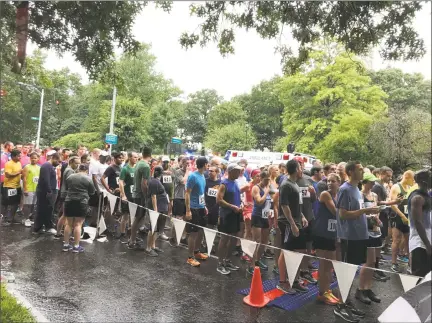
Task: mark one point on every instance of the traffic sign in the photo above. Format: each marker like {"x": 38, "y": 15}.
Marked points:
{"x": 175, "y": 140}
{"x": 34, "y": 118}
{"x": 111, "y": 139}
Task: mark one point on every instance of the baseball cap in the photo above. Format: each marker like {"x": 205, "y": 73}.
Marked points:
{"x": 242, "y": 162}
{"x": 233, "y": 166}
{"x": 165, "y": 159}
{"x": 51, "y": 152}
{"x": 369, "y": 177}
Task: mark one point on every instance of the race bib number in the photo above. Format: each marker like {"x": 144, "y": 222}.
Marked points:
{"x": 117, "y": 180}
{"x": 406, "y": 209}
{"x": 201, "y": 200}
{"x": 35, "y": 180}
{"x": 132, "y": 175}
{"x": 361, "y": 203}
{"x": 305, "y": 192}
{"x": 267, "y": 214}
{"x": 212, "y": 192}
{"x": 166, "y": 179}
{"x": 300, "y": 198}
{"x": 331, "y": 225}
{"x": 131, "y": 188}
{"x": 12, "y": 192}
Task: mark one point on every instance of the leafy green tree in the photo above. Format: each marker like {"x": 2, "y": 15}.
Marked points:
{"x": 224, "y": 114}
{"x": 233, "y": 136}
{"x": 89, "y": 139}
{"x": 264, "y": 112}
{"x": 314, "y": 100}
{"x": 351, "y": 23}
{"x": 197, "y": 109}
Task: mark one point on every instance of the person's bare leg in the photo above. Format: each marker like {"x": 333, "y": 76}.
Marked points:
{"x": 222, "y": 248}
{"x": 134, "y": 229}
{"x": 366, "y": 274}
{"x": 199, "y": 239}
{"x": 68, "y": 229}
{"x": 60, "y": 223}
{"x": 397, "y": 235}
{"x": 77, "y": 224}
{"x": 123, "y": 223}
{"x": 191, "y": 243}
{"x": 248, "y": 229}
{"x": 256, "y": 236}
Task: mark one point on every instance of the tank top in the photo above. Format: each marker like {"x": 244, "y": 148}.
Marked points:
{"x": 324, "y": 224}
{"x": 370, "y": 222}
{"x": 32, "y": 177}
{"x": 262, "y": 210}
{"x": 414, "y": 238}
{"x": 231, "y": 196}
{"x": 403, "y": 206}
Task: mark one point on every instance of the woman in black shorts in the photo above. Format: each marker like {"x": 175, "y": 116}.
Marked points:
{"x": 324, "y": 238}
{"x": 261, "y": 212}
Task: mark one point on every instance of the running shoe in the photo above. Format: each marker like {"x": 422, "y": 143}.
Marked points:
{"x": 286, "y": 290}
{"x": 222, "y": 269}
{"x": 355, "y": 311}
{"x": 395, "y": 268}
{"x": 28, "y": 223}
{"x": 328, "y": 298}
{"x": 344, "y": 312}
{"x": 58, "y": 236}
{"x": 261, "y": 265}
{"x": 201, "y": 256}
{"x": 311, "y": 267}
{"x": 67, "y": 247}
{"x": 268, "y": 254}
{"x": 77, "y": 249}
{"x": 299, "y": 287}
{"x": 164, "y": 237}
{"x": 372, "y": 296}
{"x": 151, "y": 253}
{"x": 184, "y": 242}
{"x": 250, "y": 270}
{"x": 52, "y": 231}
{"x": 123, "y": 239}
{"x": 378, "y": 277}
{"x": 308, "y": 277}
{"x": 362, "y": 296}
{"x": 409, "y": 271}
{"x": 172, "y": 242}
{"x": 193, "y": 262}
{"x": 403, "y": 259}
{"x": 246, "y": 258}
{"x": 230, "y": 266}
{"x": 158, "y": 250}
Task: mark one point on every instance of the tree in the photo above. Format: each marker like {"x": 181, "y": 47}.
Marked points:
{"x": 194, "y": 121}
{"x": 89, "y": 30}
{"x": 224, "y": 114}
{"x": 264, "y": 112}
{"x": 313, "y": 100}
{"x": 233, "y": 136}
{"x": 348, "y": 139}
{"x": 354, "y": 24}
{"x": 89, "y": 139}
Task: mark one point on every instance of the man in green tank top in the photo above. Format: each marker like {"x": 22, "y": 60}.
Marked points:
{"x": 30, "y": 177}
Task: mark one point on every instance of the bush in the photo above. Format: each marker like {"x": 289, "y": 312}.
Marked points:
{"x": 89, "y": 139}
{"x": 11, "y": 310}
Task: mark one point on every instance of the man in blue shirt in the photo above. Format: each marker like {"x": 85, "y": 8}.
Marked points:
{"x": 196, "y": 211}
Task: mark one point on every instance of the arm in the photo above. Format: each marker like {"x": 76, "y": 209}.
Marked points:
{"x": 154, "y": 202}
{"x": 221, "y": 202}
{"x": 104, "y": 183}
{"x": 326, "y": 198}
{"x": 187, "y": 202}
{"x": 244, "y": 188}
{"x": 395, "y": 190}
{"x": 24, "y": 179}
{"x": 275, "y": 208}
{"x": 122, "y": 191}
{"x": 144, "y": 181}
{"x": 8, "y": 172}
{"x": 256, "y": 195}
{"x": 417, "y": 203}
{"x": 344, "y": 214}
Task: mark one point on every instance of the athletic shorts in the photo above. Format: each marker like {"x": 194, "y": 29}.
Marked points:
{"x": 124, "y": 206}
{"x": 11, "y": 196}
{"x": 160, "y": 224}
{"x": 308, "y": 231}
{"x": 374, "y": 242}
{"x": 30, "y": 198}
{"x": 230, "y": 223}
{"x": 396, "y": 222}
{"x": 384, "y": 218}
{"x": 420, "y": 262}
{"x": 179, "y": 207}
{"x": 354, "y": 251}
{"x": 293, "y": 242}
{"x": 213, "y": 218}
{"x": 75, "y": 209}
{"x": 199, "y": 218}
{"x": 247, "y": 212}
{"x": 322, "y": 243}
{"x": 282, "y": 227}
{"x": 141, "y": 211}
{"x": 259, "y": 222}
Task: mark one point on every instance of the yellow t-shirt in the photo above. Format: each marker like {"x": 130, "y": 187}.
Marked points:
{"x": 412, "y": 189}
{"x": 12, "y": 167}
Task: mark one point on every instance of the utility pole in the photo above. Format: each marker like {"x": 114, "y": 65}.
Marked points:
{"x": 40, "y": 119}
{"x": 112, "y": 115}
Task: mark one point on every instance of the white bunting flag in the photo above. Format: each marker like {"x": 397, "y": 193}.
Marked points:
{"x": 102, "y": 225}
{"x": 210, "y": 235}
{"x": 132, "y": 211}
{"x": 248, "y": 247}
{"x": 408, "y": 281}
{"x": 179, "y": 226}
{"x": 112, "y": 201}
{"x": 345, "y": 274}
{"x": 153, "y": 219}
{"x": 91, "y": 232}
{"x": 292, "y": 263}
{"x": 399, "y": 311}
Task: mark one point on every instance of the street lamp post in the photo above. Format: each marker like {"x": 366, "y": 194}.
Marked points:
{"x": 112, "y": 114}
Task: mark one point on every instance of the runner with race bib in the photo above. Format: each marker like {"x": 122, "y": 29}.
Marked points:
{"x": 11, "y": 190}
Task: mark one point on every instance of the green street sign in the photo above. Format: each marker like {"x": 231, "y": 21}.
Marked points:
{"x": 34, "y": 118}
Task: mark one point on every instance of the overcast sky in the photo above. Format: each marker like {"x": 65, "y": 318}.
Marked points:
{"x": 198, "y": 68}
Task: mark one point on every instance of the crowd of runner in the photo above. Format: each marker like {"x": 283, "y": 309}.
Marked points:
{"x": 343, "y": 211}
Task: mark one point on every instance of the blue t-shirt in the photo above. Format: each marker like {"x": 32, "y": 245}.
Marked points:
{"x": 350, "y": 198}
{"x": 196, "y": 182}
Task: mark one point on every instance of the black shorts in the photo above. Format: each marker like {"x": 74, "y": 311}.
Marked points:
{"x": 141, "y": 211}
{"x": 213, "y": 217}
{"x": 160, "y": 224}
{"x": 321, "y": 243}
{"x": 94, "y": 200}
{"x": 11, "y": 196}
{"x": 308, "y": 232}
{"x": 420, "y": 262}
{"x": 293, "y": 242}
{"x": 199, "y": 218}
{"x": 354, "y": 251}
{"x": 282, "y": 227}
{"x": 75, "y": 209}
{"x": 396, "y": 222}
{"x": 384, "y": 218}
{"x": 230, "y": 223}
{"x": 124, "y": 206}
{"x": 259, "y": 222}
{"x": 374, "y": 242}
{"x": 179, "y": 207}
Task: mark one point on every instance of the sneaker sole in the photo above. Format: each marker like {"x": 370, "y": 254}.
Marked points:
{"x": 233, "y": 269}
{"x": 65, "y": 250}
{"x": 354, "y": 320}
{"x": 301, "y": 291}
{"x": 223, "y": 273}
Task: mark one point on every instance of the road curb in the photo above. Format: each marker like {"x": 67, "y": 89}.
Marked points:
{"x": 40, "y": 318}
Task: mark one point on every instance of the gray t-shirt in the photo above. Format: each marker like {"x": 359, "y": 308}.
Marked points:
{"x": 308, "y": 199}
{"x": 350, "y": 198}
{"x": 179, "y": 186}
{"x": 79, "y": 187}
{"x": 67, "y": 172}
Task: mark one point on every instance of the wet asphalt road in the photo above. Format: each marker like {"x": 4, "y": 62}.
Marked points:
{"x": 109, "y": 283}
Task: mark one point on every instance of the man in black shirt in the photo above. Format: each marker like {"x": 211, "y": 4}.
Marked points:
{"x": 291, "y": 223}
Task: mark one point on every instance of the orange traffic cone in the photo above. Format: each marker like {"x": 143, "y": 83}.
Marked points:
{"x": 256, "y": 296}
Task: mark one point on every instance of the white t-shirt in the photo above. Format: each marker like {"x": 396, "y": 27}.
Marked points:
{"x": 97, "y": 169}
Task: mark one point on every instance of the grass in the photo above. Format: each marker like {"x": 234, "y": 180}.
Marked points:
{"x": 11, "y": 310}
